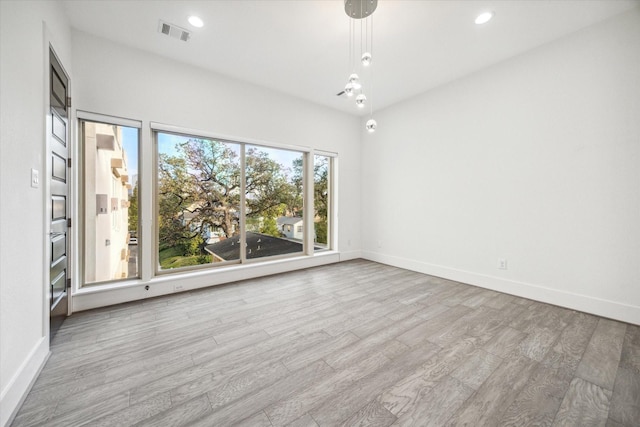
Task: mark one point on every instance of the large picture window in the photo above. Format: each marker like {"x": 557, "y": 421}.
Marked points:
{"x": 110, "y": 200}
{"x": 221, "y": 202}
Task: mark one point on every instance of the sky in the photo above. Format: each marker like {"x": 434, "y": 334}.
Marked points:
{"x": 167, "y": 143}
{"x": 130, "y": 145}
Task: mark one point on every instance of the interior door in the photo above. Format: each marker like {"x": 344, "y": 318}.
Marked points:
{"x": 58, "y": 135}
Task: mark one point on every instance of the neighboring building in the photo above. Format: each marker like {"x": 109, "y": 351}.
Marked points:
{"x": 106, "y": 204}
{"x": 291, "y": 227}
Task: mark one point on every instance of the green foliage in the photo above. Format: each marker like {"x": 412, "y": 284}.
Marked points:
{"x": 170, "y": 252}
{"x": 253, "y": 224}
{"x": 133, "y": 209}
{"x": 321, "y": 186}
{"x": 178, "y": 262}
{"x": 204, "y": 259}
{"x": 320, "y": 183}
{"x": 194, "y": 246}
{"x": 321, "y": 232}
{"x": 174, "y": 258}
{"x": 269, "y": 221}
{"x": 321, "y": 198}
{"x": 270, "y": 227}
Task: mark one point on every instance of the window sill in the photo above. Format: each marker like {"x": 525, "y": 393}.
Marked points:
{"x": 94, "y": 296}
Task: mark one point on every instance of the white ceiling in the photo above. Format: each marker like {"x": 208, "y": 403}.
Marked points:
{"x": 300, "y": 47}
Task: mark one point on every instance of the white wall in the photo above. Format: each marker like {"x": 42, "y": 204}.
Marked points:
{"x": 536, "y": 160}
{"x": 24, "y": 343}
{"x": 116, "y": 80}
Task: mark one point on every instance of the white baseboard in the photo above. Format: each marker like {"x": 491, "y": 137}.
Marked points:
{"x": 588, "y": 304}
{"x": 346, "y": 256}
{"x": 19, "y": 386}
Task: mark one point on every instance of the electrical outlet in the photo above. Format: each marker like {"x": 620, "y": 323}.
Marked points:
{"x": 502, "y": 263}
{"x": 178, "y": 287}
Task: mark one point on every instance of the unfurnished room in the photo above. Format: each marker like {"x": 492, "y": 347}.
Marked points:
{"x": 320, "y": 213}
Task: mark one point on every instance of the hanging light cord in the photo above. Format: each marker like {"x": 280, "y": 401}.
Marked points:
{"x": 366, "y": 35}
{"x": 350, "y": 58}
{"x": 353, "y": 43}
{"x": 371, "y": 71}
{"x": 361, "y": 19}
{"x": 371, "y": 43}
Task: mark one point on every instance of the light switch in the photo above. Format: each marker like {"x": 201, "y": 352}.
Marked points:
{"x": 35, "y": 178}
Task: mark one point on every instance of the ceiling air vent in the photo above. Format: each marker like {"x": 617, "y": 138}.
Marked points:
{"x": 174, "y": 31}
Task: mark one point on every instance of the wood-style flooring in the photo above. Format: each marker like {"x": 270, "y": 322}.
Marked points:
{"x": 355, "y": 343}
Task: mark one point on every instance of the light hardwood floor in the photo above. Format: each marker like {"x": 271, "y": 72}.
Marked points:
{"x": 355, "y": 343}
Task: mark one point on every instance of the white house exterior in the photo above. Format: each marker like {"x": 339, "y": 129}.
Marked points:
{"x": 291, "y": 227}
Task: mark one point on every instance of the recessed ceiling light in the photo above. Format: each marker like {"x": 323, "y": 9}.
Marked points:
{"x": 195, "y": 21}
{"x": 484, "y": 17}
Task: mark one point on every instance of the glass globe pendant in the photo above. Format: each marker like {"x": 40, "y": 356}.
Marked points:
{"x": 355, "y": 81}
{"x": 371, "y": 125}
{"x": 360, "y": 11}
{"x": 348, "y": 90}
{"x": 366, "y": 59}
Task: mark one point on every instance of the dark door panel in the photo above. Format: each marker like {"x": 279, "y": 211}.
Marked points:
{"x": 59, "y": 191}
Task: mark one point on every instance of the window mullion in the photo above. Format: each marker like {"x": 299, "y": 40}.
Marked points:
{"x": 243, "y": 205}
{"x": 309, "y": 208}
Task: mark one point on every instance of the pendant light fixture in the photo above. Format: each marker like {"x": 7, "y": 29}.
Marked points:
{"x": 360, "y": 12}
